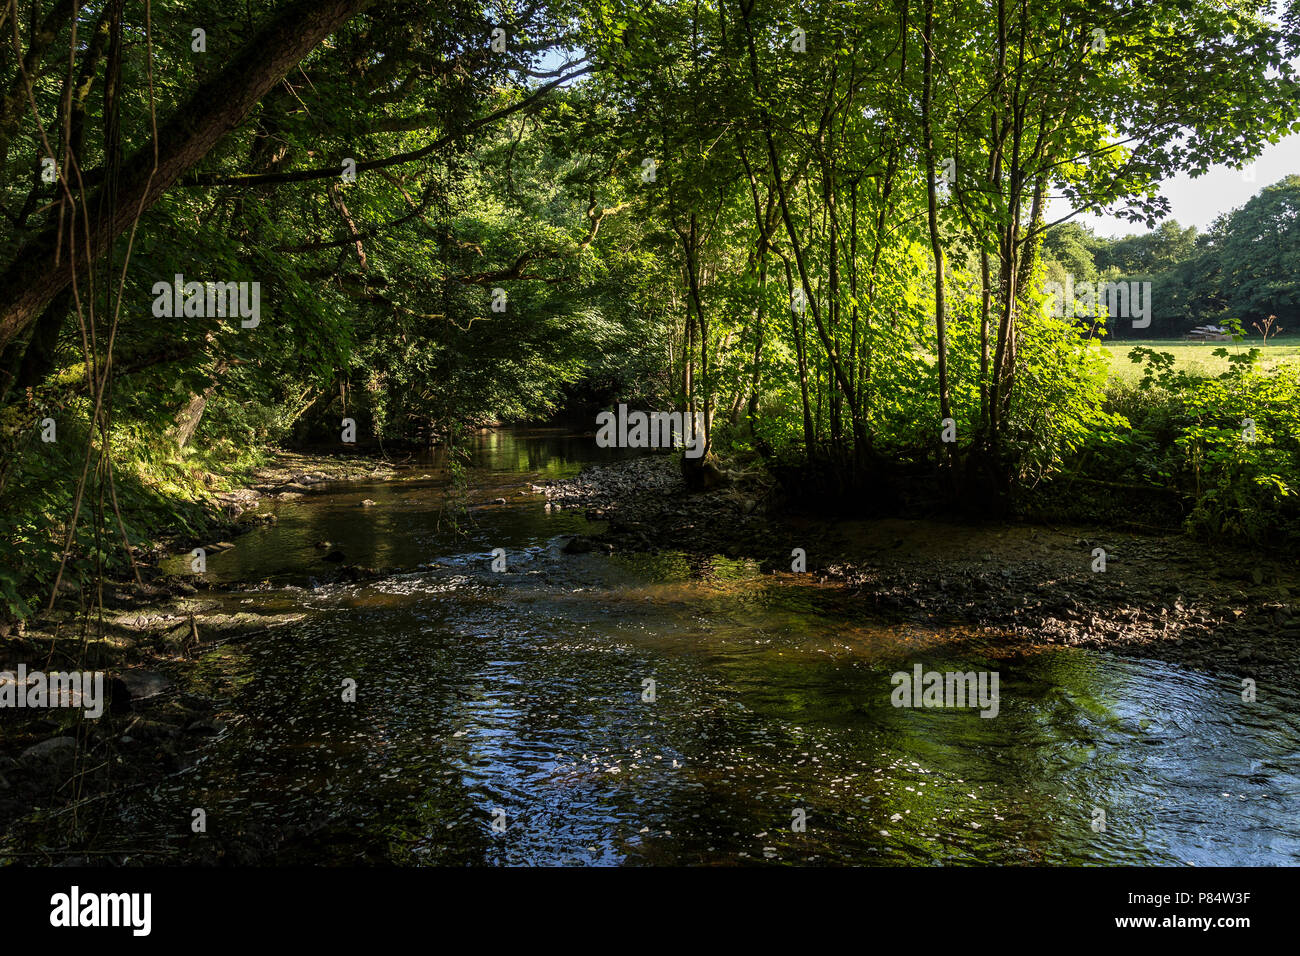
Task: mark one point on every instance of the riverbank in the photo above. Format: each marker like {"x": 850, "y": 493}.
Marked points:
{"x": 1164, "y": 595}
{"x": 163, "y": 703}
{"x": 150, "y": 641}
{"x": 285, "y": 476}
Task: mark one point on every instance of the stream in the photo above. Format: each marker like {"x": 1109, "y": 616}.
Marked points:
{"x": 501, "y": 717}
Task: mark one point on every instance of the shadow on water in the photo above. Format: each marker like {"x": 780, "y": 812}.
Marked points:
{"x": 521, "y": 696}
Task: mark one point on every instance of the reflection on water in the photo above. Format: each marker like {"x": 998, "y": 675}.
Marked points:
{"x": 418, "y": 516}
{"x": 522, "y": 692}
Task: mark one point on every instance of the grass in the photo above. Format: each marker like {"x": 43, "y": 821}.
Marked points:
{"x": 1198, "y": 357}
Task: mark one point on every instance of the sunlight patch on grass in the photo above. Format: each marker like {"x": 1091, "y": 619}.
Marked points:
{"x": 1196, "y": 357}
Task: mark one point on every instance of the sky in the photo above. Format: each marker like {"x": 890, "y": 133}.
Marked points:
{"x": 1196, "y": 202}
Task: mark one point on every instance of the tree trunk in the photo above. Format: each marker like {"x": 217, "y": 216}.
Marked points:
{"x": 188, "y": 418}
{"x": 936, "y": 246}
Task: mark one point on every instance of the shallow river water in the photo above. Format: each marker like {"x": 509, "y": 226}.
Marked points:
{"x": 518, "y": 698}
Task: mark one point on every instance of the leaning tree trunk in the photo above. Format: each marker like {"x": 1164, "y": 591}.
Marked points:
{"x": 34, "y": 276}
{"x": 188, "y": 418}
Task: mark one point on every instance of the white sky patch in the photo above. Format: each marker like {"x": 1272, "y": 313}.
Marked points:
{"x": 1197, "y": 202}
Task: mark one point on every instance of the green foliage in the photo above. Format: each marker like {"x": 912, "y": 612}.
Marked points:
{"x": 1230, "y": 442}
{"x": 157, "y": 494}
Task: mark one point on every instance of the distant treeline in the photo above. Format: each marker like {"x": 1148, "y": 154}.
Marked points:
{"x": 1246, "y": 266}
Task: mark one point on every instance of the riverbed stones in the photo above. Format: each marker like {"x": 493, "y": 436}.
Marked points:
{"x": 1164, "y": 603}
{"x": 254, "y": 518}
{"x": 235, "y": 503}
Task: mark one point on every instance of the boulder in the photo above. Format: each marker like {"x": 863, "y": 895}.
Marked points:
{"x": 141, "y": 684}
{"x": 578, "y": 544}
{"x": 54, "y": 747}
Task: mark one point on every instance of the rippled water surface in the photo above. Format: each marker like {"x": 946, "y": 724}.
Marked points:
{"x": 522, "y": 692}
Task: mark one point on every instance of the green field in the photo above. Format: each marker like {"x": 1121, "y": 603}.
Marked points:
{"x": 1197, "y": 356}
